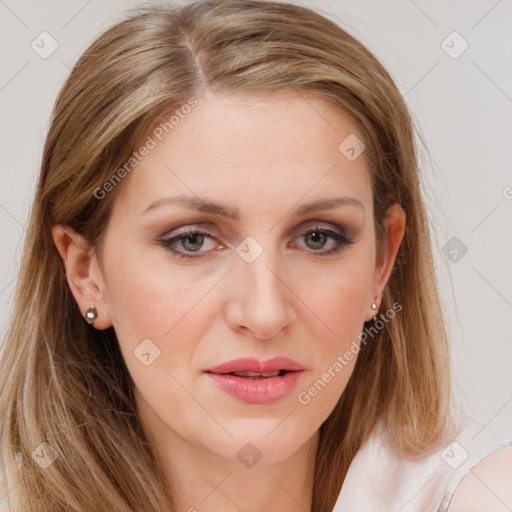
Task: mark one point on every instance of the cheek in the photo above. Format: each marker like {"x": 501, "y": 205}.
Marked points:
{"x": 159, "y": 322}
{"x": 345, "y": 304}
{"x": 147, "y": 304}
{"x": 341, "y": 303}
{"x": 340, "y": 300}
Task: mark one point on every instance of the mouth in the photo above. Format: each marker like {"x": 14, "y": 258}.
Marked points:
{"x": 257, "y": 375}
{"x": 251, "y": 367}
{"x": 257, "y": 382}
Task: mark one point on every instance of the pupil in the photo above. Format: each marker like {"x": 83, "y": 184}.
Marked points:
{"x": 318, "y": 238}
{"x": 193, "y": 240}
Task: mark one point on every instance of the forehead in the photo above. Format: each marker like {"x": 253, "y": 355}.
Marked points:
{"x": 255, "y": 150}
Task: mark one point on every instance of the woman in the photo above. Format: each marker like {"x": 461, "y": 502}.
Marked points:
{"x": 223, "y": 302}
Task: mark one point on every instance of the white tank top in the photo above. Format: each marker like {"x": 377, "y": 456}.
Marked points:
{"x": 378, "y": 480}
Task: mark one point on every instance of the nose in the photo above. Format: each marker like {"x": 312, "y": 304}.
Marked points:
{"x": 261, "y": 301}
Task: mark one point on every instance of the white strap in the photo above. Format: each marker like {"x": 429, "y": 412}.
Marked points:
{"x": 464, "y": 470}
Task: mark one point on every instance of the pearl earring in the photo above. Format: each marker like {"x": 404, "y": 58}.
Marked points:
{"x": 374, "y": 307}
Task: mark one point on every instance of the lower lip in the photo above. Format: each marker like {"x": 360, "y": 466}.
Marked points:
{"x": 263, "y": 390}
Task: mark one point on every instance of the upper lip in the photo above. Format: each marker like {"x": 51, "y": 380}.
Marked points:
{"x": 254, "y": 365}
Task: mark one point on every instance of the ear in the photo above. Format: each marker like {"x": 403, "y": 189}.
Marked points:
{"x": 83, "y": 273}
{"x": 394, "y": 224}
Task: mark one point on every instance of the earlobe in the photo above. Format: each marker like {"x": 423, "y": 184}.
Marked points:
{"x": 374, "y": 310}
{"x": 83, "y": 275}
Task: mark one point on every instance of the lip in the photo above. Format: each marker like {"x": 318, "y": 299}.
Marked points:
{"x": 264, "y": 390}
{"x": 254, "y": 365}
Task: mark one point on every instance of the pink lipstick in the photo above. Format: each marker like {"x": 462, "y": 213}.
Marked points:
{"x": 257, "y": 382}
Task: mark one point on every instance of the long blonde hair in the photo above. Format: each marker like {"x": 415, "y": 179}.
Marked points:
{"x": 65, "y": 383}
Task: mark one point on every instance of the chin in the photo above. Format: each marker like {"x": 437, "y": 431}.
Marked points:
{"x": 270, "y": 440}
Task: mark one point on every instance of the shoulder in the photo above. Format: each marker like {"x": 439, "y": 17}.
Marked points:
{"x": 486, "y": 486}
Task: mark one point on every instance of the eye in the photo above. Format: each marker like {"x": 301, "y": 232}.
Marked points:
{"x": 190, "y": 242}
{"x": 316, "y": 238}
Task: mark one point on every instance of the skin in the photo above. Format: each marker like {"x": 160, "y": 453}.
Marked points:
{"x": 265, "y": 155}
{"x": 486, "y": 486}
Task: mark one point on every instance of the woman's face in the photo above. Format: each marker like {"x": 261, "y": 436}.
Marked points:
{"x": 283, "y": 267}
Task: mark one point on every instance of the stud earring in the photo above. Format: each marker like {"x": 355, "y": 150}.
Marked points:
{"x": 374, "y": 307}
{"x": 91, "y": 314}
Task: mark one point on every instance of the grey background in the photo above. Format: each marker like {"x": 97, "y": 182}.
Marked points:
{"x": 463, "y": 107}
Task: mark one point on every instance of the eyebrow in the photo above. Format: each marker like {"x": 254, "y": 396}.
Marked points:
{"x": 202, "y": 205}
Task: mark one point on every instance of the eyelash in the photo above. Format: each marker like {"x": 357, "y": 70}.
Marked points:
{"x": 167, "y": 242}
